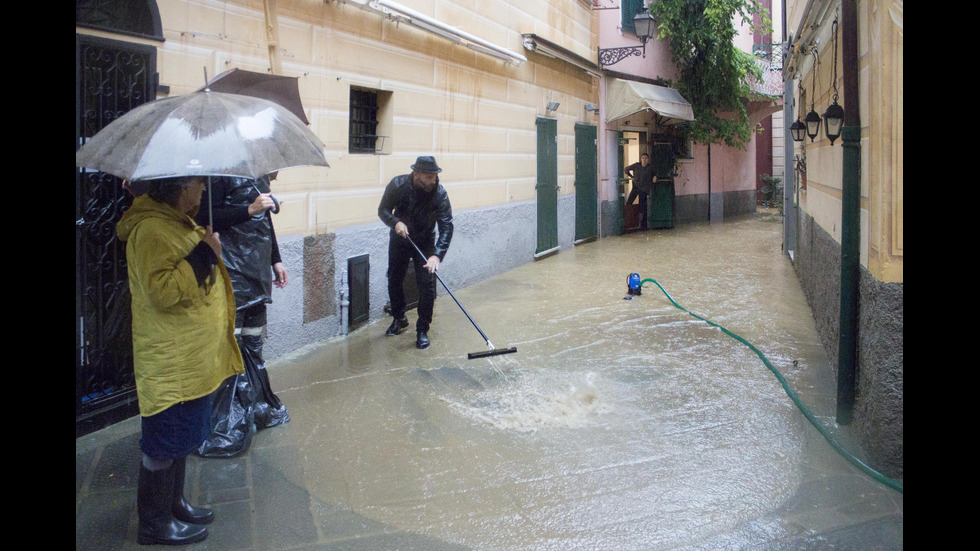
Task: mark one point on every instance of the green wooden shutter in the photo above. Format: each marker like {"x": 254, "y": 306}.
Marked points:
{"x": 661, "y": 209}
{"x": 547, "y": 185}
{"x": 629, "y": 9}
{"x": 586, "y": 193}
{"x": 662, "y": 160}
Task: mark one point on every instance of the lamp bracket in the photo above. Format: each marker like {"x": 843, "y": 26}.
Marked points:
{"x": 612, "y": 56}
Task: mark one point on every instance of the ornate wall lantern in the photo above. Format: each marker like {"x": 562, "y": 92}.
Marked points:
{"x": 645, "y": 28}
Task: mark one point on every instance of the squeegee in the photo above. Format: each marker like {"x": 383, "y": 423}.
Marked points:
{"x": 472, "y": 355}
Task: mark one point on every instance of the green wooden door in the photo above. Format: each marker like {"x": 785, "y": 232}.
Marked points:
{"x": 586, "y": 192}
{"x": 661, "y": 208}
{"x": 547, "y": 186}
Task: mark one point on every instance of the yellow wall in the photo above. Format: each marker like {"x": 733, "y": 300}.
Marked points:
{"x": 881, "y": 47}
{"x": 475, "y": 113}
{"x": 883, "y": 85}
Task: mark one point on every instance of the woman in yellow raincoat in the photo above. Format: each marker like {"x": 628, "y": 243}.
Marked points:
{"x": 183, "y": 347}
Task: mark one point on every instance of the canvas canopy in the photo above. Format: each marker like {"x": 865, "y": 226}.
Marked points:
{"x": 625, "y": 98}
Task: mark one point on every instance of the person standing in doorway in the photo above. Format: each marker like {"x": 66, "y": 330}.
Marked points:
{"x": 413, "y": 205}
{"x": 643, "y": 176}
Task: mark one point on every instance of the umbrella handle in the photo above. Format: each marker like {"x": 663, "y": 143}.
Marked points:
{"x": 275, "y": 207}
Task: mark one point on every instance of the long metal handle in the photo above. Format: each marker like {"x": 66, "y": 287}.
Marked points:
{"x": 210, "y": 197}
{"x": 490, "y": 344}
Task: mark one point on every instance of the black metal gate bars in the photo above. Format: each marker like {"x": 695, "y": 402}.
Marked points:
{"x": 111, "y": 77}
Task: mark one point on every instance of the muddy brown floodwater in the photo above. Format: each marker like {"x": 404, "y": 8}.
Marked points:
{"x": 618, "y": 424}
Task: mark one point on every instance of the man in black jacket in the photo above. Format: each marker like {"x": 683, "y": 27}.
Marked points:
{"x": 412, "y": 206}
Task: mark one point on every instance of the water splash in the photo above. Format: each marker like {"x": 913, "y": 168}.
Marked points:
{"x": 538, "y": 404}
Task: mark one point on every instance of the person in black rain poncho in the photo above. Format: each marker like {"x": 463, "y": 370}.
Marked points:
{"x": 241, "y": 212}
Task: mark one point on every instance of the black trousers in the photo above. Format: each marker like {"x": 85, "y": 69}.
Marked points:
{"x": 400, "y": 253}
{"x": 643, "y": 204}
{"x": 253, "y": 317}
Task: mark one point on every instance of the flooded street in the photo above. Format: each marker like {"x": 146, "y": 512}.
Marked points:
{"x": 618, "y": 424}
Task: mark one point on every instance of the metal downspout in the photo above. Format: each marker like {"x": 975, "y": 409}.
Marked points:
{"x": 789, "y": 168}
{"x": 850, "y": 218}
{"x": 709, "y": 183}
{"x": 789, "y": 172}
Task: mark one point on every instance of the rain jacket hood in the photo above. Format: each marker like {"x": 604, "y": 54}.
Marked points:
{"x": 183, "y": 334}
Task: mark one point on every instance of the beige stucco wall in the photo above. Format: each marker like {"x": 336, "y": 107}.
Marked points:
{"x": 474, "y": 112}
{"x": 881, "y": 56}
{"x": 882, "y": 84}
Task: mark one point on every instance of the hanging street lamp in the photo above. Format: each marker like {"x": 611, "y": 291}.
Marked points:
{"x": 798, "y": 129}
{"x": 833, "y": 117}
{"x": 812, "y": 119}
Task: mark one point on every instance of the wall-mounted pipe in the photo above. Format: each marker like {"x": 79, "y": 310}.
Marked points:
{"x": 344, "y": 305}
{"x": 847, "y": 352}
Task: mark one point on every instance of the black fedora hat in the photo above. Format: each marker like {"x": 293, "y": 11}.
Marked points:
{"x": 426, "y": 164}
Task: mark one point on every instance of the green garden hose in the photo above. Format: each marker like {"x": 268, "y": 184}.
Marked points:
{"x": 796, "y": 400}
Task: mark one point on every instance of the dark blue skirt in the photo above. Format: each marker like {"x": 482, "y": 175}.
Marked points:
{"x": 178, "y": 430}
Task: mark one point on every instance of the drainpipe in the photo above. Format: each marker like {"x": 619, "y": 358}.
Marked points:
{"x": 850, "y": 218}
{"x": 709, "y": 182}
{"x": 272, "y": 35}
{"x": 789, "y": 172}
{"x": 344, "y": 304}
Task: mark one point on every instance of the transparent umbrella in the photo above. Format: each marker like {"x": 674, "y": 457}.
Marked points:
{"x": 202, "y": 134}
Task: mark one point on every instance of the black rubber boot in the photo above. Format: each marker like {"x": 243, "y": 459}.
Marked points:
{"x": 397, "y": 325}
{"x": 181, "y": 509}
{"x": 154, "y": 500}
{"x": 422, "y": 340}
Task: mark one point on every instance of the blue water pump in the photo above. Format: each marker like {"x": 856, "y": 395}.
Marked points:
{"x": 633, "y": 284}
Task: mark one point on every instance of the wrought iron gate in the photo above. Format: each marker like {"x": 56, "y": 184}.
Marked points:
{"x": 111, "y": 77}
